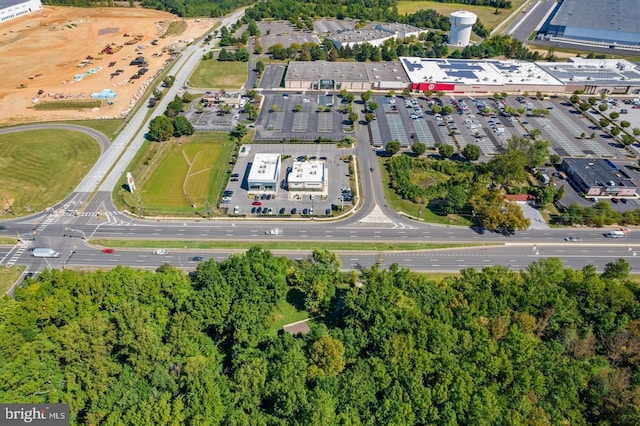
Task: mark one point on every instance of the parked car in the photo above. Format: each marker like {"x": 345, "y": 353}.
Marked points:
{"x": 257, "y": 203}
{"x": 294, "y": 211}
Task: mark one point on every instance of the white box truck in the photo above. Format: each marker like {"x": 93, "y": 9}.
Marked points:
{"x": 44, "y": 252}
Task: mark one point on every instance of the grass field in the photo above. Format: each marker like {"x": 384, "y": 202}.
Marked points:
{"x": 485, "y": 13}
{"x": 212, "y": 74}
{"x": 69, "y": 104}
{"x": 173, "y": 176}
{"x": 413, "y": 209}
{"x": 8, "y": 275}
{"x": 39, "y": 168}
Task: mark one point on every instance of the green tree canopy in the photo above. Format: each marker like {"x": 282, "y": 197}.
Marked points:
{"x": 161, "y": 128}
{"x": 392, "y": 147}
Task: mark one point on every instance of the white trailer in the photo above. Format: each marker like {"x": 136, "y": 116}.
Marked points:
{"x": 44, "y": 252}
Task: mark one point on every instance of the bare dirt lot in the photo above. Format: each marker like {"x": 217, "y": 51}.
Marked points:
{"x": 56, "y": 54}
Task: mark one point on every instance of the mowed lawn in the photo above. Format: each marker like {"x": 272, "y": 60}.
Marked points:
{"x": 39, "y": 168}
{"x": 485, "y": 13}
{"x": 168, "y": 184}
{"x": 212, "y": 74}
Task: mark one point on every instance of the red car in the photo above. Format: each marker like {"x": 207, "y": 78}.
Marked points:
{"x": 257, "y": 203}
{"x": 108, "y": 251}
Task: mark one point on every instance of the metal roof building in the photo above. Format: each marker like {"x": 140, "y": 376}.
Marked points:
{"x": 612, "y": 22}
{"x": 593, "y": 76}
{"x": 598, "y": 177}
{"x": 324, "y": 75}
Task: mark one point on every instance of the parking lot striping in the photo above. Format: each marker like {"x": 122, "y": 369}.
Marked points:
{"x": 596, "y": 147}
{"x": 423, "y": 133}
{"x": 300, "y": 121}
{"x": 376, "y": 137}
{"x": 276, "y": 121}
{"x": 397, "y": 130}
{"x": 561, "y": 139}
{"x": 325, "y": 122}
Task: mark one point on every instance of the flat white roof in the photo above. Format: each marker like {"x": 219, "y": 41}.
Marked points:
{"x": 264, "y": 168}
{"x": 594, "y": 71}
{"x": 470, "y": 72}
{"x": 307, "y": 171}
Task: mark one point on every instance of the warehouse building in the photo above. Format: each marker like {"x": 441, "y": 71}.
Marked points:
{"x": 595, "y": 22}
{"x": 11, "y": 9}
{"x": 308, "y": 176}
{"x": 611, "y": 76}
{"x": 264, "y": 174}
{"x": 599, "y": 177}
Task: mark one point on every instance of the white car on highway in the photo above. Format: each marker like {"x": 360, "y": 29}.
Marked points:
{"x": 161, "y": 252}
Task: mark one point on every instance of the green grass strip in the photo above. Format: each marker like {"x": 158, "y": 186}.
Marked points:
{"x": 277, "y": 245}
{"x": 9, "y": 275}
{"x": 73, "y": 104}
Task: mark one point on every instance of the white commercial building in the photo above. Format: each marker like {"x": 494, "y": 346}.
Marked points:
{"x": 478, "y": 76}
{"x": 265, "y": 173}
{"x": 11, "y": 9}
{"x": 375, "y": 35}
{"x": 308, "y": 176}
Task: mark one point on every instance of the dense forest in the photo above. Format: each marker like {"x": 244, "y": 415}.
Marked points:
{"x": 544, "y": 346}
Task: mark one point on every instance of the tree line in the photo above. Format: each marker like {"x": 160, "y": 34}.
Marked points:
{"x": 546, "y": 345}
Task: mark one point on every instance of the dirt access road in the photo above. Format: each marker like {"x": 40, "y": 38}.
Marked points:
{"x": 47, "y": 51}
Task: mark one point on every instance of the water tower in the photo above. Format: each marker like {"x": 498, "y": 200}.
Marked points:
{"x": 461, "y": 23}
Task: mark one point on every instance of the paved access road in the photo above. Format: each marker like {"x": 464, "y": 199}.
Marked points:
{"x": 530, "y": 21}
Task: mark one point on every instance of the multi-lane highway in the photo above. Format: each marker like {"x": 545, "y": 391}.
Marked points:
{"x": 89, "y": 213}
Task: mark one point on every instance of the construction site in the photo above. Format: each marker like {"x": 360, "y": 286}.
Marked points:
{"x": 63, "y": 53}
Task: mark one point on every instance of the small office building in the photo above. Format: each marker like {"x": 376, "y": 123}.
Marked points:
{"x": 264, "y": 174}
{"x": 308, "y": 176}
{"x": 599, "y": 178}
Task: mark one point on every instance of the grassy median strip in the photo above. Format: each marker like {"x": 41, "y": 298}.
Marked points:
{"x": 9, "y": 275}
{"x": 276, "y": 245}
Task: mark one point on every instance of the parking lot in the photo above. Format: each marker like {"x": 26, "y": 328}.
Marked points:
{"x": 319, "y": 115}
{"x": 283, "y": 201}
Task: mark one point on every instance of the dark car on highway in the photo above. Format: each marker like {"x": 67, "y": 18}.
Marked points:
{"x": 197, "y": 259}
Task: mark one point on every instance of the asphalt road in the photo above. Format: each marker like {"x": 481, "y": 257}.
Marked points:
{"x": 531, "y": 21}
{"x": 515, "y": 256}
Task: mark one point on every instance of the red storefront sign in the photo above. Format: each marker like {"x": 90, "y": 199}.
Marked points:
{"x": 434, "y": 87}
